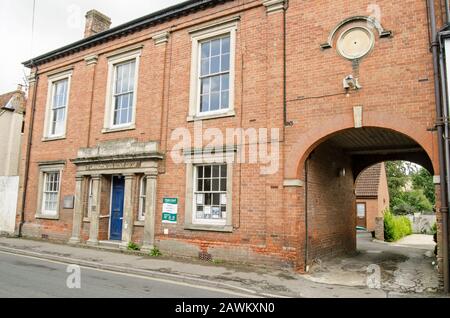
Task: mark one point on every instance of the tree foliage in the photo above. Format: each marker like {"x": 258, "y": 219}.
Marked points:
{"x": 423, "y": 180}
{"x": 411, "y": 188}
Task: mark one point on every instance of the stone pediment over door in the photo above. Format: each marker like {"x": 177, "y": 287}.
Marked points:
{"x": 118, "y": 155}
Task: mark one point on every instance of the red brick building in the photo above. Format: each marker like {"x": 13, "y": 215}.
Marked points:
{"x": 372, "y": 196}
{"x": 345, "y": 85}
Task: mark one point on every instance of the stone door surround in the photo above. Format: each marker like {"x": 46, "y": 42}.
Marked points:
{"x": 126, "y": 157}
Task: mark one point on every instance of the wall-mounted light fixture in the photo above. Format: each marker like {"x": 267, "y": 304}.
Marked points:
{"x": 352, "y": 83}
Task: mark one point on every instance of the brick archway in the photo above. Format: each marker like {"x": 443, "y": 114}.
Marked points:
{"x": 336, "y": 124}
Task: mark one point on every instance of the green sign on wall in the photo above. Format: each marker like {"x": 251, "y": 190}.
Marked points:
{"x": 170, "y": 210}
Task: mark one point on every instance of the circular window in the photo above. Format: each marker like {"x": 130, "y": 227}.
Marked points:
{"x": 356, "y": 42}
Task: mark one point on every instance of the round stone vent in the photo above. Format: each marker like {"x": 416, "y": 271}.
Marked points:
{"x": 355, "y": 42}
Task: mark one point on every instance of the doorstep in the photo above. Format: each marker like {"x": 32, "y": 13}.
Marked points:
{"x": 110, "y": 244}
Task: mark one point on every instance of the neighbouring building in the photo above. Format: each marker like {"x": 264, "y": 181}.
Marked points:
{"x": 12, "y": 110}
{"x": 130, "y": 124}
{"x": 372, "y": 196}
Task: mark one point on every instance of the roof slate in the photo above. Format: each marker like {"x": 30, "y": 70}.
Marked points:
{"x": 368, "y": 182}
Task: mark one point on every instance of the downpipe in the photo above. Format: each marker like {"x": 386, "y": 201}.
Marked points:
{"x": 28, "y": 151}
{"x": 440, "y": 134}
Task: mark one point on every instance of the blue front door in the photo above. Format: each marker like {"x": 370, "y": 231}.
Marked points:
{"x": 118, "y": 188}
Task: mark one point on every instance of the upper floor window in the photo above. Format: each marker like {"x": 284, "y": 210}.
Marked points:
{"x": 212, "y": 71}
{"x": 120, "y": 110}
{"x": 57, "y": 105}
{"x": 124, "y": 93}
{"x": 215, "y": 74}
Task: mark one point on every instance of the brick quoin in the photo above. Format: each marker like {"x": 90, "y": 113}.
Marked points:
{"x": 268, "y": 217}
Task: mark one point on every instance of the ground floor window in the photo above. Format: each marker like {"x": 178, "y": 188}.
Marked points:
{"x": 142, "y": 198}
{"x": 210, "y": 194}
{"x": 51, "y": 191}
{"x": 90, "y": 198}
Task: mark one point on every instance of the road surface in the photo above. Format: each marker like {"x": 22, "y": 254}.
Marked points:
{"x": 22, "y": 276}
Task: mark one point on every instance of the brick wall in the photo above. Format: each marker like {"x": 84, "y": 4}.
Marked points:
{"x": 331, "y": 204}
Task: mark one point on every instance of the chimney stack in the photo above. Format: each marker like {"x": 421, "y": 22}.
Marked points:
{"x": 96, "y": 22}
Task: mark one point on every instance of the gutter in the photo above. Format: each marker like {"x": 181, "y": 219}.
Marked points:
{"x": 154, "y": 18}
{"x": 441, "y": 143}
{"x": 28, "y": 151}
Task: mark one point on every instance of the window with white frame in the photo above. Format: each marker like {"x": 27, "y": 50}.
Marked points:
{"x": 123, "y": 93}
{"x": 50, "y": 193}
{"x": 210, "y": 194}
{"x": 212, "y": 71}
{"x": 57, "y": 105}
{"x": 121, "y": 98}
{"x": 142, "y": 198}
{"x": 214, "y": 74}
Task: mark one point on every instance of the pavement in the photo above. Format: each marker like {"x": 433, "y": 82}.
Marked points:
{"x": 242, "y": 280}
{"x": 406, "y": 266}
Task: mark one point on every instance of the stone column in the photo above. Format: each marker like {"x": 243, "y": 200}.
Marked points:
{"x": 95, "y": 210}
{"x": 150, "y": 212}
{"x": 128, "y": 211}
{"x": 78, "y": 211}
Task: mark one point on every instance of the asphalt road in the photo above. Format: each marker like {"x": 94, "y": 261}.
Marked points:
{"x": 22, "y": 276}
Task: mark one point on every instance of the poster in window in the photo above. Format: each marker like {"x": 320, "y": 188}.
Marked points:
{"x": 223, "y": 199}
{"x": 200, "y": 198}
{"x": 170, "y": 210}
{"x": 216, "y": 212}
{"x": 199, "y": 215}
{"x": 207, "y": 210}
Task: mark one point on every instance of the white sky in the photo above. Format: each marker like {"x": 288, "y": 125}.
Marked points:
{"x": 57, "y": 23}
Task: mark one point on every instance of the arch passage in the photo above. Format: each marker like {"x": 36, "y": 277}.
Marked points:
{"x": 331, "y": 167}
{"x": 389, "y": 128}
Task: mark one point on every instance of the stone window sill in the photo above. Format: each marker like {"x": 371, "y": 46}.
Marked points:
{"x": 47, "y": 139}
{"x": 86, "y": 220}
{"x": 230, "y": 113}
{"x": 209, "y": 228}
{"x": 118, "y": 129}
{"x": 139, "y": 223}
{"x": 47, "y": 217}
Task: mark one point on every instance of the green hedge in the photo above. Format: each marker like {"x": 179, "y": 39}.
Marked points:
{"x": 396, "y": 227}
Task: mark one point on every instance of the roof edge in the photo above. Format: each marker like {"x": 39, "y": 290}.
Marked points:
{"x": 157, "y": 17}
